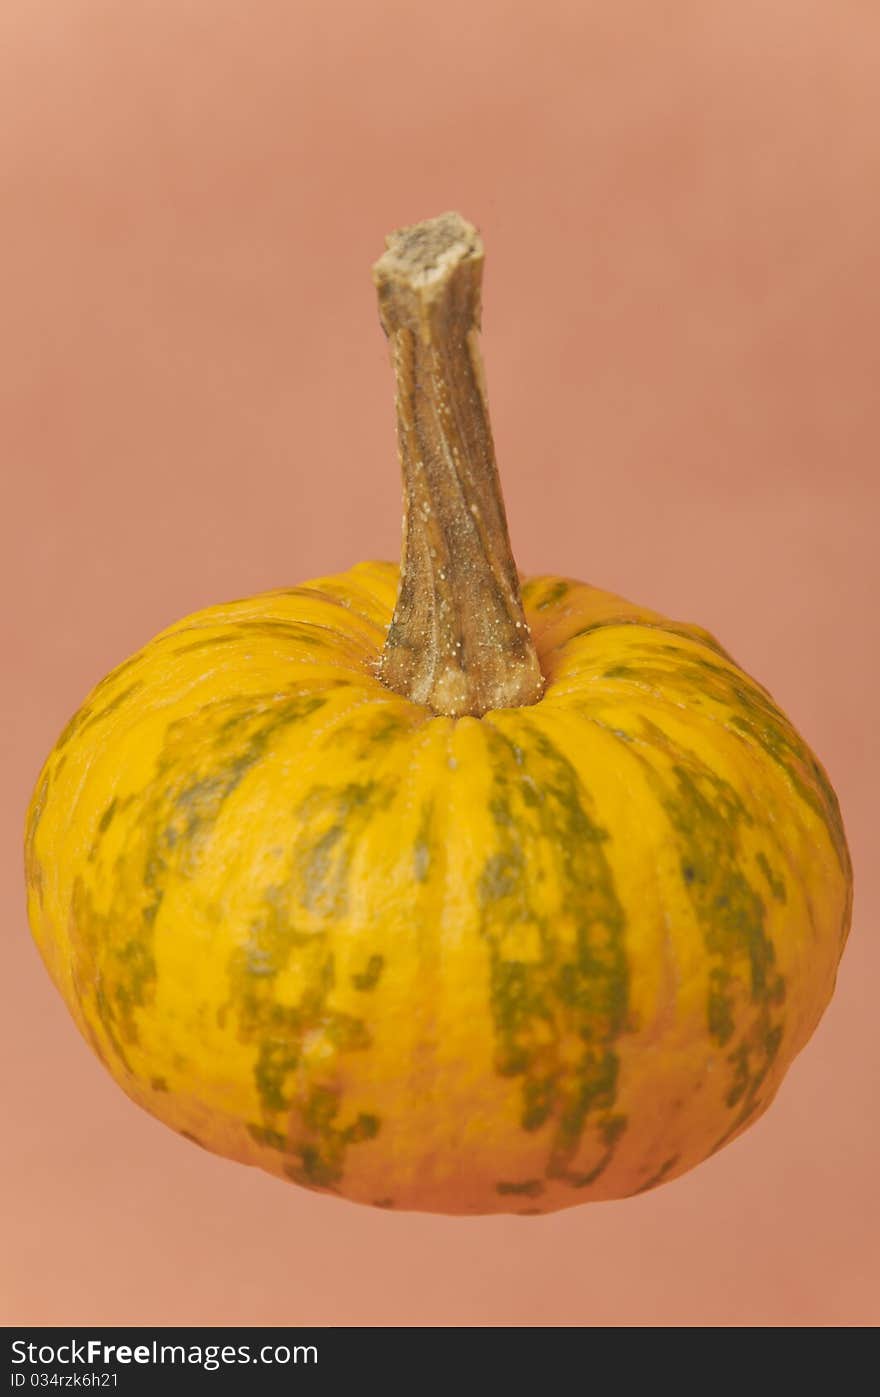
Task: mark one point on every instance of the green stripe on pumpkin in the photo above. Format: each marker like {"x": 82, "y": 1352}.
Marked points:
{"x": 706, "y": 816}
{"x": 573, "y": 994}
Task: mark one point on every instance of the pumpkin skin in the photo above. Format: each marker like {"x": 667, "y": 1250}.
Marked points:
{"x": 513, "y": 963}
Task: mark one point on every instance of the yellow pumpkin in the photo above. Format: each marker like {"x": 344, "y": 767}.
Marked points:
{"x": 431, "y": 889}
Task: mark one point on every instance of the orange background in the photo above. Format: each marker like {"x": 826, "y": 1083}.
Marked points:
{"x": 681, "y": 204}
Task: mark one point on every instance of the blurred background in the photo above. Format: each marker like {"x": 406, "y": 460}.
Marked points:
{"x": 681, "y": 207}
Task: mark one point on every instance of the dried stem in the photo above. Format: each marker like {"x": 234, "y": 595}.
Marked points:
{"x": 458, "y": 642}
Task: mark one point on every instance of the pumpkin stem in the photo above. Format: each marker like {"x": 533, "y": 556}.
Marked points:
{"x": 458, "y": 642}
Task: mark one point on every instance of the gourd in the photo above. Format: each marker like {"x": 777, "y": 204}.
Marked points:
{"x": 432, "y": 888}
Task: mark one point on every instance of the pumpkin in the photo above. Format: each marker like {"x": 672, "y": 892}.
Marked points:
{"x": 433, "y": 888}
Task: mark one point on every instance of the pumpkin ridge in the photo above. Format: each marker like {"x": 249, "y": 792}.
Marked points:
{"x": 733, "y": 690}
{"x": 578, "y": 994}
{"x": 175, "y": 816}
{"x": 303, "y": 1043}
{"x": 729, "y": 910}
{"x": 190, "y": 814}
{"x": 309, "y": 590}
{"x": 778, "y": 738}
{"x": 680, "y": 630}
{"x": 430, "y": 856}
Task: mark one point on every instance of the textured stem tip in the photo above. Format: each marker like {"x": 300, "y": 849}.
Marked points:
{"x": 458, "y": 641}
